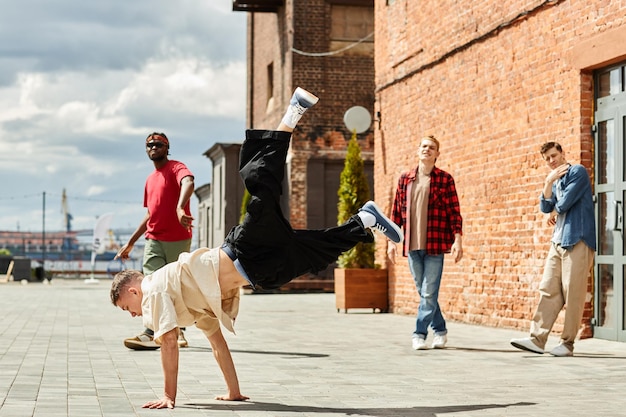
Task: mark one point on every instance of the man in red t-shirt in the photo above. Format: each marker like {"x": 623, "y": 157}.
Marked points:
{"x": 167, "y": 223}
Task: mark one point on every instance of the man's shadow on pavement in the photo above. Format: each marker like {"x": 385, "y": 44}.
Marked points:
{"x": 297, "y": 355}
{"x": 406, "y": 411}
{"x": 262, "y": 352}
{"x": 535, "y": 355}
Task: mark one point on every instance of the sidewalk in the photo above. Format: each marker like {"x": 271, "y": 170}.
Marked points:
{"x": 61, "y": 354}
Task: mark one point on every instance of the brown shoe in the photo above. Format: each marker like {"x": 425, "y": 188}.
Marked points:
{"x": 141, "y": 342}
{"x": 182, "y": 342}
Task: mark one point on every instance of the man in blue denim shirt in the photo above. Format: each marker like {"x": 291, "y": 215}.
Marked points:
{"x": 568, "y": 199}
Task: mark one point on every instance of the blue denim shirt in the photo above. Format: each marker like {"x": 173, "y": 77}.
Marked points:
{"x": 577, "y": 202}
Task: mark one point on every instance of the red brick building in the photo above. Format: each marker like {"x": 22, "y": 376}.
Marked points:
{"x": 492, "y": 81}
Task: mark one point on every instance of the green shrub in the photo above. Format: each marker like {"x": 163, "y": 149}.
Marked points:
{"x": 353, "y": 193}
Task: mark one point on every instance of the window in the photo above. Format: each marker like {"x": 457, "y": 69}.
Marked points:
{"x": 611, "y": 82}
{"x": 350, "y": 24}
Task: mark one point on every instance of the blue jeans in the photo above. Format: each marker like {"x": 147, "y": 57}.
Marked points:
{"x": 426, "y": 270}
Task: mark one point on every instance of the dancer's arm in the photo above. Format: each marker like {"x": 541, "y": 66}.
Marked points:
{"x": 225, "y": 361}
{"x": 169, "y": 362}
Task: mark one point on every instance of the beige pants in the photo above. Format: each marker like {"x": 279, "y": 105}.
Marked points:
{"x": 564, "y": 283}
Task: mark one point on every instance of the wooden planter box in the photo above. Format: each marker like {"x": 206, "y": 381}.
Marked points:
{"x": 361, "y": 288}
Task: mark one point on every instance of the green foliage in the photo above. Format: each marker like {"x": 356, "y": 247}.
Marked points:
{"x": 353, "y": 193}
{"x": 5, "y": 252}
{"x": 244, "y": 204}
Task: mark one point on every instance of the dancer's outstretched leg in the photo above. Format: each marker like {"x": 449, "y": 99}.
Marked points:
{"x": 256, "y": 246}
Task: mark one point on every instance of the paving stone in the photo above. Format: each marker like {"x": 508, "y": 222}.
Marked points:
{"x": 61, "y": 354}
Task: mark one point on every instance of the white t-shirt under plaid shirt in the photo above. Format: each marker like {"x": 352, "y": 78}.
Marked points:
{"x": 187, "y": 292}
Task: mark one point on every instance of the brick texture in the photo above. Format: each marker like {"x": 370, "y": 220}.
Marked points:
{"x": 492, "y": 81}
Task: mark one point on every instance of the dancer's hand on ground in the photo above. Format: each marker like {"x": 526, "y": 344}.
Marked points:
{"x": 164, "y": 402}
{"x": 229, "y": 397}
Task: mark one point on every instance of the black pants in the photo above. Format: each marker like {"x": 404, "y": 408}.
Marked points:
{"x": 269, "y": 250}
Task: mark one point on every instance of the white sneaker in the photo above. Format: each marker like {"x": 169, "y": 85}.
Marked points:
{"x": 561, "y": 350}
{"x": 526, "y": 343}
{"x": 419, "y": 343}
{"x": 301, "y": 100}
{"x": 439, "y": 341}
{"x": 143, "y": 341}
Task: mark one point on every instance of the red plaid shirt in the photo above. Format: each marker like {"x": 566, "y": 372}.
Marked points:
{"x": 444, "y": 212}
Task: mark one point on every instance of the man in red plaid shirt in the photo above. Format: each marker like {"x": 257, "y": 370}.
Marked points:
{"x": 426, "y": 206}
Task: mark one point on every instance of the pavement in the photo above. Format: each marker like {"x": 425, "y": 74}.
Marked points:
{"x": 61, "y": 354}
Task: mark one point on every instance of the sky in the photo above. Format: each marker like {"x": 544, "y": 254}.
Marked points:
{"x": 83, "y": 83}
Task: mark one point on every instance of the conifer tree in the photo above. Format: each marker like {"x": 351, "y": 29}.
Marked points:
{"x": 353, "y": 193}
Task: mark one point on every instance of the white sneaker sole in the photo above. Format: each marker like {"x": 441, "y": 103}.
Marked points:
{"x": 310, "y": 99}
{"x": 527, "y": 345}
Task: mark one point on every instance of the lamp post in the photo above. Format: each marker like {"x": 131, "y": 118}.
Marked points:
{"x": 43, "y": 235}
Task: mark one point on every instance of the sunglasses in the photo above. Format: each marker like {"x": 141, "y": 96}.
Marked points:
{"x": 157, "y": 145}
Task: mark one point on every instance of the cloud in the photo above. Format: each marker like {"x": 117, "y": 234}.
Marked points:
{"x": 83, "y": 83}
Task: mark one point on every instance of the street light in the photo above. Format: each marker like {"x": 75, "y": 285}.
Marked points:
{"x": 357, "y": 118}
{"x": 43, "y": 236}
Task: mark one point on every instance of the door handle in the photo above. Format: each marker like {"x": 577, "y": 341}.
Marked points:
{"x": 617, "y": 227}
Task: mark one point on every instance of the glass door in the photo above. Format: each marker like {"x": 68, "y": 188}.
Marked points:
{"x": 610, "y": 193}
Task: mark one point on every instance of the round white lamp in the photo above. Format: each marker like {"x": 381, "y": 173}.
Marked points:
{"x": 357, "y": 118}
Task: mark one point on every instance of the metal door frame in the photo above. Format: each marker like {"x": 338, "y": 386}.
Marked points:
{"x": 610, "y": 108}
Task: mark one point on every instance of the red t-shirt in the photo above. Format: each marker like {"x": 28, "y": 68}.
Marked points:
{"x": 160, "y": 196}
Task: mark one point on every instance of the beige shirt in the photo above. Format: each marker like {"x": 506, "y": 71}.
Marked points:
{"x": 187, "y": 292}
{"x": 418, "y": 217}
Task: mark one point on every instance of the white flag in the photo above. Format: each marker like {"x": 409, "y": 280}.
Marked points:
{"x": 100, "y": 232}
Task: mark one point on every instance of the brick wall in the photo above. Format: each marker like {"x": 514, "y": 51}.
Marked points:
{"x": 492, "y": 81}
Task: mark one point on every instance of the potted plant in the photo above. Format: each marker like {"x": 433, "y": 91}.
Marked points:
{"x": 358, "y": 283}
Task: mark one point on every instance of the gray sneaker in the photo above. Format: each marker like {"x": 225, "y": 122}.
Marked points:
{"x": 301, "y": 100}
{"x": 527, "y": 344}
{"x": 383, "y": 223}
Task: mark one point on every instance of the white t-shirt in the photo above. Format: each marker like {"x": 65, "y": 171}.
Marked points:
{"x": 557, "y": 234}
{"x": 187, "y": 292}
